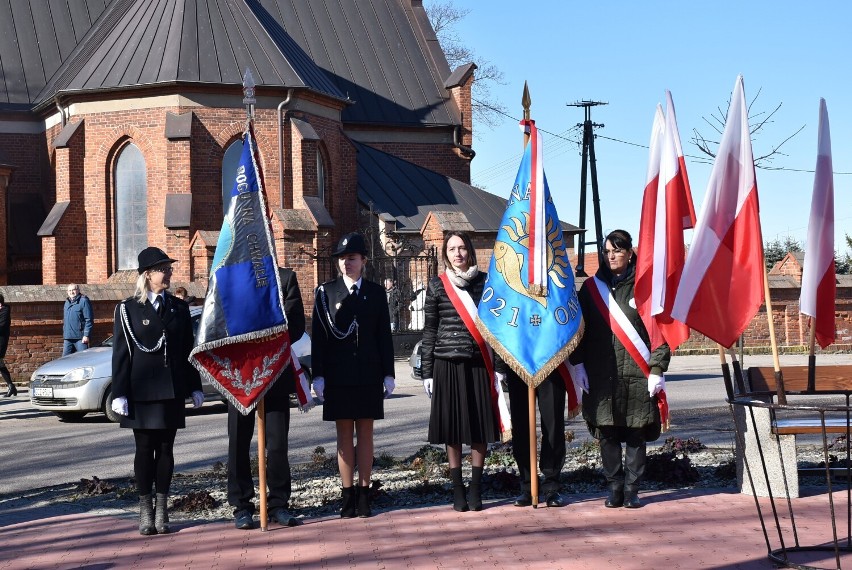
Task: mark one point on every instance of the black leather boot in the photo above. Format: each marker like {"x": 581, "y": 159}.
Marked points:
{"x": 459, "y": 499}
{"x": 616, "y": 497}
{"x": 347, "y": 511}
{"x": 364, "y": 510}
{"x": 146, "y": 515}
{"x": 161, "y": 514}
{"x": 631, "y": 497}
{"x": 474, "y": 497}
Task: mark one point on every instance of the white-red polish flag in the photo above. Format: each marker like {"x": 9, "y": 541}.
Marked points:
{"x": 721, "y": 287}
{"x": 667, "y": 210}
{"x": 818, "y": 278}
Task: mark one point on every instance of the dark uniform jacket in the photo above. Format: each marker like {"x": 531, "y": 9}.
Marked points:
{"x": 364, "y": 357}
{"x": 618, "y": 390}
{"x": 295, "y": 312}
{"x": 445, "y": 335}
{"x": 149, "y": 376}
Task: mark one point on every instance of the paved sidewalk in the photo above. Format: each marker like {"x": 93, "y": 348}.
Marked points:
{"x": 675, "y": 529}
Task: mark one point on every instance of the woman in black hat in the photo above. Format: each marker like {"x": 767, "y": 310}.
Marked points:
{"x": 151, "y": 377}
{"x": 352, "y": 358}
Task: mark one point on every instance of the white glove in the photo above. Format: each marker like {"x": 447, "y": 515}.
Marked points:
{"x": 580, "y": 377}
{"x": 500, "y": 377}
{"x": 656, "y": 384}
{"x": 119, "y": 406}
{"x": 197, "y": 398}
{"x": 389, "y": 386}
{"x": 427, "y": 386}
{"x": 319, "y": 387}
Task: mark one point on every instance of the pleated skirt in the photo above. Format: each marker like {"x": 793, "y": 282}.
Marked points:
{"x": 461, "y": 404}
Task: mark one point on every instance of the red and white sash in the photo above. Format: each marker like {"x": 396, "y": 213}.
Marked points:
{"x": 303, "y": 391}
{"x": 620, "y": 324}
{"x": 463, "y": 304}
{"x": 628, "y": 335}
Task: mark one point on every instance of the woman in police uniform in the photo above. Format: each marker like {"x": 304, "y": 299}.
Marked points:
{"x": 151, "y": 378}
{"x": 352, "y": 358}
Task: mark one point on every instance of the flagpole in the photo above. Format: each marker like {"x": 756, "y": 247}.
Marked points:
{"x": 812, "y": 356}
{"x": 526, "y": 102}
{"x": 261, "y": 461}
{"x": 779, "y": 377}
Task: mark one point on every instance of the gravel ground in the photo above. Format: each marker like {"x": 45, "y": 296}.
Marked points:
{"x": 419, "y": 480}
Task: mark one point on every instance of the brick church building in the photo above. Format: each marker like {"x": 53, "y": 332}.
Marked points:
{"x": 121, "y": 124}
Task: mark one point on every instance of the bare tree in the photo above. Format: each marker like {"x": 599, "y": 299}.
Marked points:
{"x": 757, "y": 122}
{"x": 444, "y": 15}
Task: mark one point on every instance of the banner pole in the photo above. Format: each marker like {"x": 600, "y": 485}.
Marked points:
{"x": 779, "y": 377}
{"x": 533, "y": 450}
{"x": 261, "y": 461}
{"x": 812, "y": 356}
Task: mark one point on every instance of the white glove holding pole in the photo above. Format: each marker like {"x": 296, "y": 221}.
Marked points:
{"x": 656, "y": 384}
{"x": 580, "y": 378}
{"x": 319, "y": 388}
{"x": 197, "y": 399}
{"x": 427, "y": 386}
{"x": 119, "y": 406}
{"x": 390, "y": 384}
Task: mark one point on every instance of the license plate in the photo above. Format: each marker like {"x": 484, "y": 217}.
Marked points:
{"x": 43, "y": 392}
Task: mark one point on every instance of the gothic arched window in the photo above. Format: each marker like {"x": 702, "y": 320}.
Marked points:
{"x": 131, "y": 206}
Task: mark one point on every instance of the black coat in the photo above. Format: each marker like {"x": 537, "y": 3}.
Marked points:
{"x": 5, "y": 326}
{"x": 295, "y": 312}
{"x": 444, "y": 333}
{"x": 364, "y": 357}
{"x": 161, "y": 375}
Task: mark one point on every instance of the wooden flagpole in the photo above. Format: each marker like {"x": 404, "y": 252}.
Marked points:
{"x": 261, "y": 461}
{"x": 812, "y": 356}
{"x": 779, "y": 377}
{"x": 526, "y": 102}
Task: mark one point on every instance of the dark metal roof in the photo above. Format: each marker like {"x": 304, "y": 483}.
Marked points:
{"x": 409, "y": 192}
{"x": 36, "y": 36}
{"x": 146, "y": 42}
{"x": 379, "y": 53}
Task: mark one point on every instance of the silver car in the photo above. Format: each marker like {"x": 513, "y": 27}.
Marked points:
{"x": 79, "y": 383}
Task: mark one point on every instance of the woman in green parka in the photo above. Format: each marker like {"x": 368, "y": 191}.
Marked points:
{"x": 620, "y": 374}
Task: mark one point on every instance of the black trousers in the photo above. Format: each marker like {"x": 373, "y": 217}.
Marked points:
{"x": 240, "y": 433}
{"x": 629, "y": 473}
{"x": 551, "y": 407}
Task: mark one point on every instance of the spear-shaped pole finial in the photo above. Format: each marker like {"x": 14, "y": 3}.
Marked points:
{"x": 526, "y": 102}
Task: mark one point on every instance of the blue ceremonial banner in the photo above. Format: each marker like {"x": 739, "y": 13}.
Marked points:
{"x": 242, "y": 342}
{"x": 529, "y": 312}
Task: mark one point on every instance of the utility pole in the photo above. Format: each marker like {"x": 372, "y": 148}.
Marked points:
{"x": 588, "y": 161}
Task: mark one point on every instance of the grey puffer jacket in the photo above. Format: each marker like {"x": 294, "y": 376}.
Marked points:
{"x": 444, "y": 333}
{"x": 618, "y": 390}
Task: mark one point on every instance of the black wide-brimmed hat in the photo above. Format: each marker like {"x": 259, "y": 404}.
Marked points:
{"x": 151, "y": 256}
{"x": 351, "y": 243}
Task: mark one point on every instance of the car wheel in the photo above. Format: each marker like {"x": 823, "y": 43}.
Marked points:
{"x": 106, "y": 407}
{"x": 70, "y": 416}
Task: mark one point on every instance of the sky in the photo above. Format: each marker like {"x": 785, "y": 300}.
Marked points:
{"x": 627, "y": 54}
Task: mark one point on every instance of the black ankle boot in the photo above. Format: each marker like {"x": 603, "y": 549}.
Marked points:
{"x": 364, "y": 510}
{"x": 347, "y": 511}
{"x": 459, "y": 499}
{"x": 631, "y": 497}
{"x": 616, "y": 497}
{"x": 146, "y": 515}
{"x": 474, "y": 497}
{"x": 161, "y": 514}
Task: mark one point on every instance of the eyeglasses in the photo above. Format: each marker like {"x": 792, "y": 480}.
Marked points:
{"x": 162, "y": 269}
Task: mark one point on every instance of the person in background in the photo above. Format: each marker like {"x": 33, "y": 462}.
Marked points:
{"x": 180, "y": 293}
{"x": 454, "y": 370}
{"x": 5, "y": 327}
{"x": 151, "y": 378}
{"x": 241, "y": 430}
{"x": 352, "y": 357}
{"x": 621, "y": 403}
{"x": 77, "y": 321}
{"x": 393, "y": 303}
